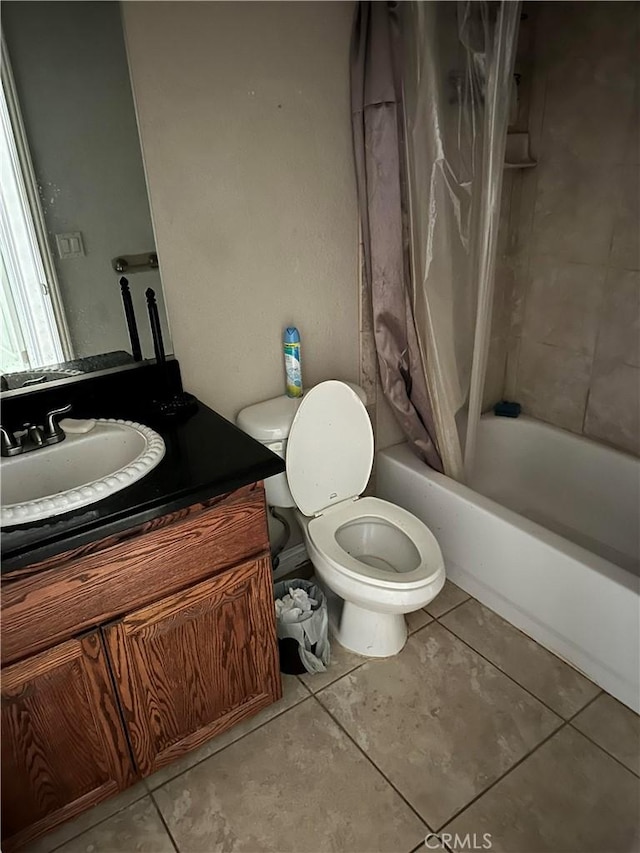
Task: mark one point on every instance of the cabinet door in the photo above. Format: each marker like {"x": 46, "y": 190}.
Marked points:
{"x": 63, "y": 744}
{"x": 196, "y": 663}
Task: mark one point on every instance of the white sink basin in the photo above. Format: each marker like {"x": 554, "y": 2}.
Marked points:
{"x": 88, "y": 466}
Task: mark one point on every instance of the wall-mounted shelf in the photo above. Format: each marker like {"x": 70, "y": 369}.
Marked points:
{"x": 516, "y": 155}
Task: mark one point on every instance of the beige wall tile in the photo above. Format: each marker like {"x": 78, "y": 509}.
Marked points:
{"x": 574, "y": 210}
{"x": 494, "y": 376}
{"x": 520, "y": 287}
{"x": 553, "y": 383}
{"x": 563, "y": 303}
{"x": 619, "y": 334}
{"x": 588, "y": 107}
{"x": 576, "y": 223}
{"x": 625, "y": 246}
{"x": 511, "y": 369}
{"x": 613, "y": 413}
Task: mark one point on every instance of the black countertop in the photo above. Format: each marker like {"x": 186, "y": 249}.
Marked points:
{"x": 205, "y": 456}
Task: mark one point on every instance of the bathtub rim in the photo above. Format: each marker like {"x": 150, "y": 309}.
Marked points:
{"x": 618, "y": 574}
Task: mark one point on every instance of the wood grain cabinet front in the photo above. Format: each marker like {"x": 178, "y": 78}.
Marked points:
{"x": 63, "y": 744}
{"x": 180, "y": 645}
{"x": 196, "y": 662}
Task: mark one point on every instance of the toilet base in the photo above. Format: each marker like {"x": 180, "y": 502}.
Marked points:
{"x": 365, "y": 632}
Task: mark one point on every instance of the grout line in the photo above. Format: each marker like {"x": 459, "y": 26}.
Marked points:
{"x": 93, "y": 825}
{"x": 590, "y": 702}
{"x": 164, "y": 823}
{"x": 606, "y": 751}
{"x": 504, "y": 776}
{"x": 374, "y": 765}
{"x": 342, "y": 675}
{"x": 451, "y": 609}
{"x": 506, "y": 674}
{"x": 226, "y": 746}
{"x": 531, "y": 640}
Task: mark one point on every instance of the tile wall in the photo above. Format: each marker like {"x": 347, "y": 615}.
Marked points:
{"x": 567, "y": 309}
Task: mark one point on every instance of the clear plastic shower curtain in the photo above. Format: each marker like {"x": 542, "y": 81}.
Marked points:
{"x": 457, "y": 71}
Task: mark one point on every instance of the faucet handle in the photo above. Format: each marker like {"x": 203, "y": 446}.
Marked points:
{"x": 53, "y": 432}
{"x": 9, "y": 444}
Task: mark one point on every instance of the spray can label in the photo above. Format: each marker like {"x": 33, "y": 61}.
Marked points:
{"x": 293, "y": 369}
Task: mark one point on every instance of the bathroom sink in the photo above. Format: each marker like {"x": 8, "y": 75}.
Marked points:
{"x": 96, "y": 459}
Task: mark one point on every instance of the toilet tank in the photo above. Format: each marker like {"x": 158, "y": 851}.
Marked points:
{"x": 269, "y": 423}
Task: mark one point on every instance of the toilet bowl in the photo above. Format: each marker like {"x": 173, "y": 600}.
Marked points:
{"x": 377, "y": 561}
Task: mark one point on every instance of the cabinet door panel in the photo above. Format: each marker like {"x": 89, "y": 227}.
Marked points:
{"x": 63, "y": 745}
{"x": 196, "y": 662}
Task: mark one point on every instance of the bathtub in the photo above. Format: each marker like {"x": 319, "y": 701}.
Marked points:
{"x": 547, "y": 535}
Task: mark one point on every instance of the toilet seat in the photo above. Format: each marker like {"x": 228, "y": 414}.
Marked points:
{"x": 323, "y": 531}
{"x": 330, "y": 448}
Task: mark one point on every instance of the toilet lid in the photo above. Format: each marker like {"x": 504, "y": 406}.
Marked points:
{"x": 330, "y": 448}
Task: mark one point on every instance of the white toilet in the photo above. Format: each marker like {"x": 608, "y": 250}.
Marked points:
{"x": 376, "y": 560}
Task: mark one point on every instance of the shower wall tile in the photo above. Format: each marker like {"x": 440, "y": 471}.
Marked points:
{"x": 563, "y": 303}
{"x": 511, "y": 390}
{"x": 619, "y": 336}
{"x": 574, "y": 210}
{"x": 588, "y": 107}
{"x": 505, "y": 212}
{"x": 604, "y": 30}
{"x": 573, "y": 345}
{"x": 553, "y": 383}
{"x": 519, "y": 291}
{"x": 631, "y": 155}
{"x": 494, "y": 377}
{"x": 625, "y": 246}
{"x": 613, "y": 413}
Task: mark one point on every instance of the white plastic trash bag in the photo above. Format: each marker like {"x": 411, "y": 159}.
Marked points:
{"x": 301, "y": 613}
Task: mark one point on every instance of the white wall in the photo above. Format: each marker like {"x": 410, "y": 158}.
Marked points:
{"x": 244, "y": 118}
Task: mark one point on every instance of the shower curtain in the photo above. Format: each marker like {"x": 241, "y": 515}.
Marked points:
{"x": 431, "y": 86}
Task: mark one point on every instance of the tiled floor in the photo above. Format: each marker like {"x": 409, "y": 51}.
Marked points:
{"x": 473, "y": 731}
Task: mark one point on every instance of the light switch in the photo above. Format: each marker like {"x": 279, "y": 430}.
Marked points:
{"x": 70, "y": 245}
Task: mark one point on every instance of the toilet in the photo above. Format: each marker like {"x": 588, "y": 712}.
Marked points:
{"x": 376, "y": 561}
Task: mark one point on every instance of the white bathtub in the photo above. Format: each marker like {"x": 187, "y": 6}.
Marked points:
{"x": 548, "y": 537}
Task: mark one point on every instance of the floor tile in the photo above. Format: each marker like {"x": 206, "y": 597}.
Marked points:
{"x": 614, "y": 727}
{"x": 438, "y": 720}
{"x": 296, "y": 784}
{"x": 568, "y": 797}
{"x": 87, "y": 819}
{"x": 138, "y": 828}
{"x": 449, "y": 597}
{"x": 554, "y": 682}
{"x": 292, "y": 693}
{"x": 416, "y": 620}
{"x": 342, "y": 661}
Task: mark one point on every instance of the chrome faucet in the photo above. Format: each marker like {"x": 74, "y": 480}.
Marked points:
{"x": 33, "y": 436}
{"x": 9, "y": 444}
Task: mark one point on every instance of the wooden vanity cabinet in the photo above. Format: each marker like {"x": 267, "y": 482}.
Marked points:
{"x": 194, "y": 664}
{"x": 63, "y": 744}
{"x": 119, "y": 659}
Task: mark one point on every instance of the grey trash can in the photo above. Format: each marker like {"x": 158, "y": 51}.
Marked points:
{"x": 303, "y": 643}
